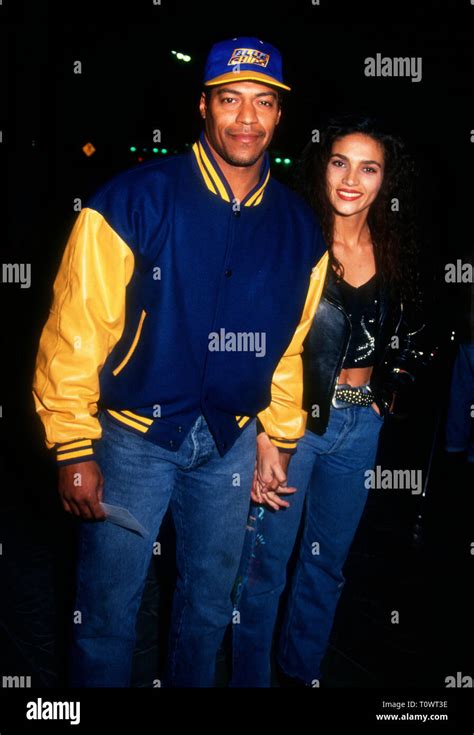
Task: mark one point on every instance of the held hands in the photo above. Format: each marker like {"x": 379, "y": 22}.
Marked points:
{"x": 269, "y": 480}
{"x": 81, "y": 487}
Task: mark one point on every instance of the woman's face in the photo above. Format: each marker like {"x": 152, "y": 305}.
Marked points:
{"x": 354, "y": 173}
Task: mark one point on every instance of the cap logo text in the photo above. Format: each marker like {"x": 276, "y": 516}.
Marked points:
{"x": 248, "y": 56}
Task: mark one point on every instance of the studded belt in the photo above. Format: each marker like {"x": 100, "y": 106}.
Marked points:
{"x": 358, "y": 396}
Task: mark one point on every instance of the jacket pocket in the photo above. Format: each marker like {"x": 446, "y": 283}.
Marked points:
{"x": 133, "y": 346}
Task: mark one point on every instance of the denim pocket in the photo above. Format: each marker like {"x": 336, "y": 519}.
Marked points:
{"x": 374, "y": 412}
{"x": 341, "y": 421}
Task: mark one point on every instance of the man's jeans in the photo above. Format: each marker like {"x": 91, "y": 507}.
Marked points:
{"x": 209, "y": 498}
{"x": 329, "y": 472}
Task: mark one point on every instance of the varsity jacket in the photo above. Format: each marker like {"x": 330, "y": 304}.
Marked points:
{"x": 173, "y": 300}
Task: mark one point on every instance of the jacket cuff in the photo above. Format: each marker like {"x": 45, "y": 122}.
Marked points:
{"x": 293, "y": 450}
{"x": 288, "y": 446}
{"x": 80, "y": 450}
{"x": 283, "y": 445}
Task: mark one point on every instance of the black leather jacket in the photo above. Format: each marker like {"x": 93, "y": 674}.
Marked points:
{"x": 326, "y": 343}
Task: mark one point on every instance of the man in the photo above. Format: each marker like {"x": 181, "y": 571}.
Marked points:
{"x": 172, "y": 326}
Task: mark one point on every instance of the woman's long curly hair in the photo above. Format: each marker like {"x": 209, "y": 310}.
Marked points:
{"x": 392, "y": 229}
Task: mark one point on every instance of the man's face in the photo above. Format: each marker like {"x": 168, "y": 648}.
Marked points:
{"x": 240, "y": 120}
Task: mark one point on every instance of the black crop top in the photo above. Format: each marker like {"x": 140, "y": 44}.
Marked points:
{"x": 361, "y": 306}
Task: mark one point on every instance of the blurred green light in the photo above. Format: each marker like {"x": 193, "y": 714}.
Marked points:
{"x": 155, "y": 150}
{"x": 182, "y": 57}
{"x": 164, "y": 150}
{"x": 287, "y": 160}
{"x": 132, "y": 148}
{"x": 277, "y": 160}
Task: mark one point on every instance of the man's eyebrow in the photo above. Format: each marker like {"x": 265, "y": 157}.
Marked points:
{"x": 341, "y": 155}
{"x": 236, "y": 91}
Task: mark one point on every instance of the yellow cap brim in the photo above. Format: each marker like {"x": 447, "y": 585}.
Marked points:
{"x": 249, "y": 76}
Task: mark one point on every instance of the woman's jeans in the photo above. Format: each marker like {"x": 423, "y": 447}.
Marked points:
{"x": 209, "y": 498}
{"x": 328, "y": 471}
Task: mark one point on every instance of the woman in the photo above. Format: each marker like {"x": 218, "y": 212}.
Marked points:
{"x": 358, "y": 180}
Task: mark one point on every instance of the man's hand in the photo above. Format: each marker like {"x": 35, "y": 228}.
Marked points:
{"x": 271, "y": 498}
{"x": 81, "y": 487}
{"x": 269, "y": 480}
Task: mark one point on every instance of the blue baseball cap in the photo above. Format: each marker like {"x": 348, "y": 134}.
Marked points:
{"x": 244, "y": 59}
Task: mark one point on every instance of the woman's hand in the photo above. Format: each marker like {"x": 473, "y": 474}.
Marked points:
{"x": 269, "y": 481}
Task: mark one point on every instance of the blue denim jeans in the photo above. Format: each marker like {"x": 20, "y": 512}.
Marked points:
{"x": 209, "y": 498}
{"x": 459, "y": 429}
{"x": 328, "y": 471}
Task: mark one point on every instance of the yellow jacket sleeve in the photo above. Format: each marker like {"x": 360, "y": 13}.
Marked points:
{"x": 285, "y": 420}
{"x": 85, "y": 321}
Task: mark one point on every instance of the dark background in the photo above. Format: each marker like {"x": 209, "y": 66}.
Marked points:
{"x": 411, "y": 553}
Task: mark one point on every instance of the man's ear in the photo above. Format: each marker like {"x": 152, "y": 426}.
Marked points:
{"x": 278, "y": 117}
{"x": 202, "y": 105}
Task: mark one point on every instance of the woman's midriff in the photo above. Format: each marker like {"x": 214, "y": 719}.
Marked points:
{"x": 355, "y": 376}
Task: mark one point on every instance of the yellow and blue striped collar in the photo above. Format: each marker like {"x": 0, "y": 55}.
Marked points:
{"x": 216, "y": 181}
